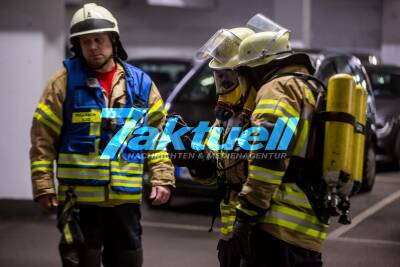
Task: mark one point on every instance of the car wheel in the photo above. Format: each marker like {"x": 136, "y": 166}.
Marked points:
{"x": 369, "y": 169}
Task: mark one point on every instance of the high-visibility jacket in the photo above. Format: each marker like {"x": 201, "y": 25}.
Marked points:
{"x": 289, "y": 216}
{"x": 68, "y": 128}
{"x": 235, "y": 174}
{"x": 235, "y": 171}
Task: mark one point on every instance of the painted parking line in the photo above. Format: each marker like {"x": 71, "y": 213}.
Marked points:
{"x": 333, "y": 235}
{"x": 366, "y": 241}
{"x": 364, "y": 215}
{"x": 388, "y": 179}
{"x": 177, "y": 226}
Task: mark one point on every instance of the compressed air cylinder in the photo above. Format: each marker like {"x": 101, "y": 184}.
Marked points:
{"x": 338, "y": 140}
{"x": 360, "y": 113}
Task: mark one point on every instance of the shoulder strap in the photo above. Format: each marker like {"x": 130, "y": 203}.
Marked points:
{"x": 76, "y": 74}
{"x": 319, "y": 88}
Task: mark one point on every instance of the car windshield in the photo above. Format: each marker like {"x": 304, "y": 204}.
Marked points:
{"x": 199, "y": 89}
{"x": 385, "y": 84}
{"x": 165, "y": 74}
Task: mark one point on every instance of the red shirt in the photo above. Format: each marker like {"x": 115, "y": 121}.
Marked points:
{"x": 105, "y": 79}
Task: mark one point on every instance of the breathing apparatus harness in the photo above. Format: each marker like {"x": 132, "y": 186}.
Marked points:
{"x": 307, "y": 172}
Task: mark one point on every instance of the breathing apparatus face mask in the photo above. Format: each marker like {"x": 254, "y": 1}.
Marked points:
{"x": 229, "y": 93}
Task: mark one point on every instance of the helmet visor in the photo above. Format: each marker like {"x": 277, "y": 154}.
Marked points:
{"x": 222, "y": 46}
{"x": 260, "y": 23}
{"x": 270, "y": 39}
{"x": 225, "y": 81}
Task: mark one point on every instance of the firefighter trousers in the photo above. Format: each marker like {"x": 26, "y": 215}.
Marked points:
{"x": 228, "y": 253}
{"x": 269, "y": 251}
{"x": 112, "y": 235}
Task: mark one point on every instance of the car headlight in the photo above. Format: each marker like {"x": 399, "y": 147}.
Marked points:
{"x": 384, "y": 127}
{"x": 380, "y": 122}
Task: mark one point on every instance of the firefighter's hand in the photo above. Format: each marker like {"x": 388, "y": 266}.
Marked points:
{"x": 48, "y": 202}
{"x": 160, "y": 194}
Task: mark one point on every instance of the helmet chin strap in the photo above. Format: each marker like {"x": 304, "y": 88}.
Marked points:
{"x": 102, "y": 65}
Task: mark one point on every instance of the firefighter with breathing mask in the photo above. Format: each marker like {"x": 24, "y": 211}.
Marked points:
{"x": 234, "y": 107}
{"x": 270, "y": 218}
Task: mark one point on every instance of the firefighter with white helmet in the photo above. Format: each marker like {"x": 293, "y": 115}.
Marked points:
{"x": 98, "y": 197}
{"x": 91, "y": 19}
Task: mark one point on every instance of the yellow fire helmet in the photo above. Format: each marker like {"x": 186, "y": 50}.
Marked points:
{"x": 223, "y": 47}
{"x": 270, "y": 42}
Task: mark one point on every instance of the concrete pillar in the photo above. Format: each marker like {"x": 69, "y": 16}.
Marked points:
{"x": 390, "y": 32}
{"x": 32, "y": 38}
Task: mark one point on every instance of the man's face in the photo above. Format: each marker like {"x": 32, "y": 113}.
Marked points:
{"x": 225, "y": 81}
{"x": 96, "y": 48}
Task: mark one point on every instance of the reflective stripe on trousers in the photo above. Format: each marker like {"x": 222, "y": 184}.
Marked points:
{"x": 228, "y": 215}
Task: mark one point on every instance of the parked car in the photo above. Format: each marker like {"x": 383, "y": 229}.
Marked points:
{"x": 165, "y": 72}
{"x": 194, "y": 99}
{"x": 365, "y": 58}
{"x": 385, "y": 80}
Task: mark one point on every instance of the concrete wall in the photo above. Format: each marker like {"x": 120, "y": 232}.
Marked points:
{"x": 390, "y": 31}
{"x": 31, "y": 41}
{"x": 347, "y": 25}
{"x": 164, "y": 31}
{"x": 160, "y": 30}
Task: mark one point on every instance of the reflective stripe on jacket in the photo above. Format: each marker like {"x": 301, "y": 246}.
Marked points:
{"x": 289, "y": 216}
{"x": 95, "y": 180}
{"x": 79, "y": 161}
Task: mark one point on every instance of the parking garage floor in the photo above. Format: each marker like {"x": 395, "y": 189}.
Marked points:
{"x": 178, "y": 236}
